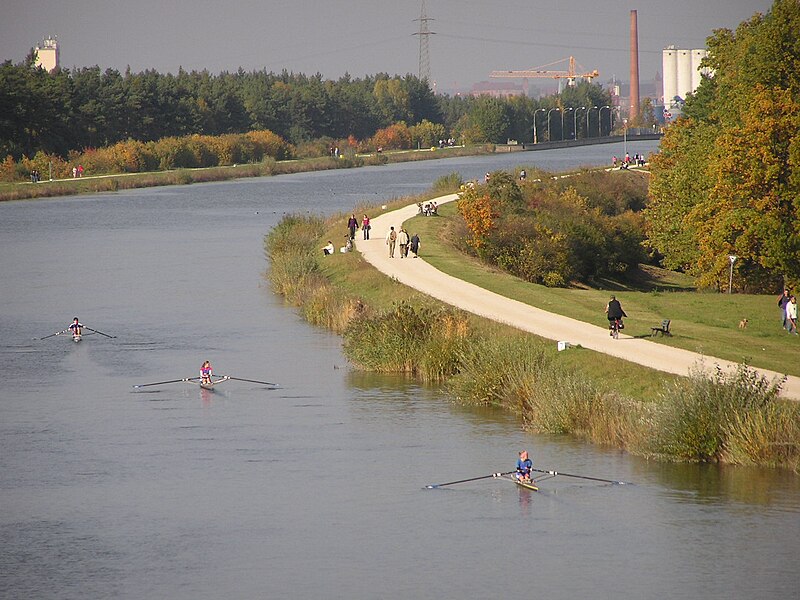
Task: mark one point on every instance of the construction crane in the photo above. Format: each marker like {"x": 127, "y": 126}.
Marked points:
{"x": 570, "y": 74}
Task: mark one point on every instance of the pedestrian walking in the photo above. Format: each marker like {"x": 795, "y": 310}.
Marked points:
{"x": 783, "y": 300}
{"x": 791, "y": 315}
{"x": 414, "y": 245}
{"x": 391, "y": 240}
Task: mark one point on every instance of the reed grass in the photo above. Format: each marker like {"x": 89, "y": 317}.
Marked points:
{"x": 698, "y": 414}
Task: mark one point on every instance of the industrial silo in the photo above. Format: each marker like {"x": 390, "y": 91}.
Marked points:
{"x": 697, "y": 57}
{"x": 669, "y": 64}
{"x": 684, "y": 72}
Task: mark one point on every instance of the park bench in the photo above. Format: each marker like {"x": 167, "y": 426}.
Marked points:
{"x": 663, "y": 329}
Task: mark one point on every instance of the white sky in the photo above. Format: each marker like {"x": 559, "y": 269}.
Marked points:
{"x": 363, "y": 37}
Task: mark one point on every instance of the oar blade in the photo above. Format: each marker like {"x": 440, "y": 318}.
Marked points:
{"x": 53, "y": 334}
{"x": 435, "y": 486}
{"x": 141, "y": 385}
{"x": 100, "y": 332}
{"x": 554, "y": 473}
{"x": 269, "y": 383}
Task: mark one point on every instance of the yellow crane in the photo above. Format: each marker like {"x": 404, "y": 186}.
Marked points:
{"x": 570, "y": 74}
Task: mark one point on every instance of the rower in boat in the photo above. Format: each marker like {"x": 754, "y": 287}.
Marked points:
{"x": 524, "y": 466}
{"x": 206, "y": 372}
{"x": 76, "y": 328}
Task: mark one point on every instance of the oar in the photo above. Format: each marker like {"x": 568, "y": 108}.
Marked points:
{"x": 554, "y": 473}
{"x": 165, "y": 382}
{"x": 53, "y": 334}
{"x": 250, "y": 380}
{"x": 100, "y": 332}
{"x": 438, "y": 485}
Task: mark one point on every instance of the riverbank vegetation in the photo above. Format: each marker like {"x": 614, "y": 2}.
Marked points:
{"x": 390, "y": 328}
{"x": 109, "y": 123}
{"x": 558, "y": 231}
{"x": 68, "y": 111}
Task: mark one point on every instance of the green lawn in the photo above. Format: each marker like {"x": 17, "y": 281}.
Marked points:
{"x": 707, "y": 323}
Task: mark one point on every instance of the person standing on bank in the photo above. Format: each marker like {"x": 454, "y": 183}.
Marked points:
{"x": 783, "y": 300}
{"x": 414, "y": 245}
{"x": 365, "y": 226}
{"x": 791, "y": 315}
{"x": 391, "y": 240}
{"x": 402, "y": 240}
{"x": 352, "y": 225}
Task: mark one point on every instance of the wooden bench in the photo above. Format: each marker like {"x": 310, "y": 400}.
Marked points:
{"x": 663, "y": 330}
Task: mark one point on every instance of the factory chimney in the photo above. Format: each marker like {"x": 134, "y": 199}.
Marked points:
{"x": 633, "y": 115}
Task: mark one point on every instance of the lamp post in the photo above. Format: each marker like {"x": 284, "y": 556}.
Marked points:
{"x": 625, "y": 135}
{"x": 600, "y": 119}
{"x": 732, "y": 258}
{"x": 536, "y": 137}
{"x": 564, "y": 112}
{"x": 575, "y": 120}
{"x": 550, "y": 139}
{"x": 589, "y": 110}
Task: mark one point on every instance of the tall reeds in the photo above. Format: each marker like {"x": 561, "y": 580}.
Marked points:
{"x": 419, "y": 340}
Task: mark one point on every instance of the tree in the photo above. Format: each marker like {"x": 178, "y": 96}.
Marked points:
{"x": 726, "y": 179}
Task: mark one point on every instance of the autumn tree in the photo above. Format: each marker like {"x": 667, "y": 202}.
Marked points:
{"x": 727, "y": 179}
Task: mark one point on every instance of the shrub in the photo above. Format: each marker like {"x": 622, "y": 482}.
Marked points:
{"x": 394, "y": 137}
{"x": 699, "y": 412}
{"x": 408, "y": 339}
{"x": 448, "y": 183}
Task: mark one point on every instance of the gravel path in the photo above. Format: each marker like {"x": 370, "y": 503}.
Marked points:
{"x": 418, "y": 274}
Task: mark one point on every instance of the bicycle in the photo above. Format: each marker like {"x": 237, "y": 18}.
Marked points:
{"x": 614, "y": 326}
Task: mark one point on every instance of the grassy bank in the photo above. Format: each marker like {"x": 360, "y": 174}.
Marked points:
{"x": 113, "y": 182}
{"x": 706, "y": 323}
{"x": 388, "y": 327}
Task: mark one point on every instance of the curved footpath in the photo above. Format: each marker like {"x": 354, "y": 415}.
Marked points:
{"x": 420, "y": 275}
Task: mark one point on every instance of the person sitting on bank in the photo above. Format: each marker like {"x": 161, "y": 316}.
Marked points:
{"x": 328, "y": 250}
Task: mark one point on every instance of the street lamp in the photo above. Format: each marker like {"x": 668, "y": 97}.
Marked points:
{"x": 550, "y": 139}
{"x": 732, "y": 258}
{"x": 575, "y": 120}
{"x": 600, "y": 119}
{"x": 562, "y": 120}
{"x": 589, "y": 110}
{"x": 535, "y": 137}
{"x": 625, "y": 135}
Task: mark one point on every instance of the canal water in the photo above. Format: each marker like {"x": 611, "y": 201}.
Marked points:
{"x": 316, "y": 489}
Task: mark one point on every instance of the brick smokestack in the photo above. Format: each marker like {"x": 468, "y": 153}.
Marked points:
{"x": 633, "y": 115}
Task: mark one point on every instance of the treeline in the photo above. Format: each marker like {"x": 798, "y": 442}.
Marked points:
{"x": 71, "y": 110}
{"x": 558, "y": 231}
{"x": 726, "y": 182}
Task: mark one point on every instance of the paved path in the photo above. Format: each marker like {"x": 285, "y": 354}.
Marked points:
{"x": 418, "y": 274}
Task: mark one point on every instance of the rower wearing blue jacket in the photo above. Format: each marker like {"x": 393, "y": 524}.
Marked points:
{"x": 524, "y": 466}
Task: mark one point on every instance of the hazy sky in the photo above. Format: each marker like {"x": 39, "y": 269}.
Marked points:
{"x": 363, "y": 37}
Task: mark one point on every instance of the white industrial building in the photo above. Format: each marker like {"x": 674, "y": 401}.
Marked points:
{"x": 682, "y": 73}
{"x": 47, "y": 55}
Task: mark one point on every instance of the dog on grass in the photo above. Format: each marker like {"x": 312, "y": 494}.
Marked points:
{"x": 743, "y": 324}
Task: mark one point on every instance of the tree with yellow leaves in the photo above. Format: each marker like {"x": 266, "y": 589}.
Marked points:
{"x": 727, "y": 179}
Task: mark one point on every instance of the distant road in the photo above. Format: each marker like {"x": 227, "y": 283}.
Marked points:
{"x": 420, "y": 275}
